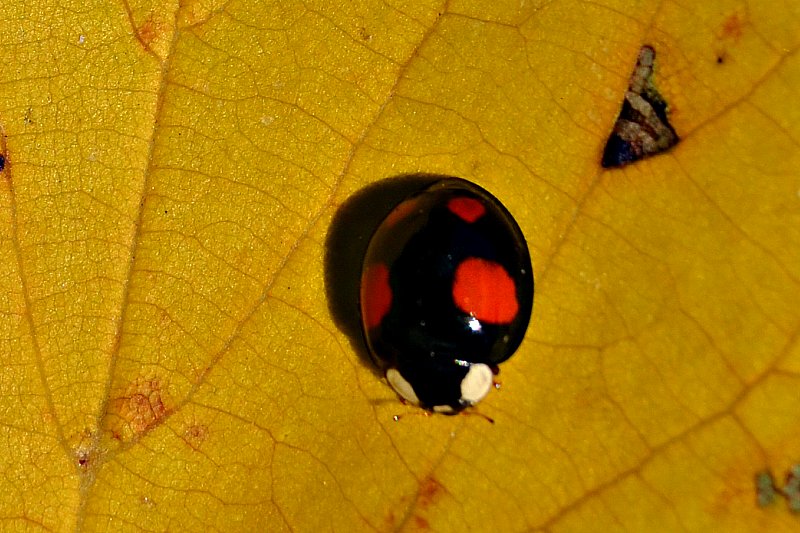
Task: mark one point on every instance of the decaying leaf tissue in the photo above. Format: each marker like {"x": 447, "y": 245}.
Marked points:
{"x": 767, "y": 490}
{"x": 642, "y": 129}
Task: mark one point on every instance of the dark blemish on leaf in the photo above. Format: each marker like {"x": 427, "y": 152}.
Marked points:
{"x": 728, "y": 36}
{"x": 421, "y": 523}
{"x": 791, "y": 490}
{"x": 4, "y": 152}
{"x": 364, "y": 34}
{"x": 83, "y": 459}
{"x": 346, "y": 244}
{"x": 642, "y": 128}
{"x": 765, "y": 488}
{"x": 85, "y": 452}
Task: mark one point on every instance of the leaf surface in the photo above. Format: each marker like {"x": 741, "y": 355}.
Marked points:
{"x": 171, "y": 358}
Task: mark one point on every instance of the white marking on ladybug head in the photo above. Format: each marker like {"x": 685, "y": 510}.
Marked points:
{"x": 443, "y": 409}
{"x": 476, "y": 384}
{"x": 401, "y": 386}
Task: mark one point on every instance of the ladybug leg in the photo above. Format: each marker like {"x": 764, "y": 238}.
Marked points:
{"x": 495, "y": 371}
{"x": 489, "y": 419}
{"x": 477, "y": 413}
{"x": 405, "y": 403}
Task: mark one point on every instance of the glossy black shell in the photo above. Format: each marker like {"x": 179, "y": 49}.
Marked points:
{"x": 424, "y": 335}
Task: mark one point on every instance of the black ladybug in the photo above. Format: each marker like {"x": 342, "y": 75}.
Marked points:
{"x": 446, "y": 294}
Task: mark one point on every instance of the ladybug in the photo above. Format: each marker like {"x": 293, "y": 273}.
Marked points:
{"x": 446, "y": 294}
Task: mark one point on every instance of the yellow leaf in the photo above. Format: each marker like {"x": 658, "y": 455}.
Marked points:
{"x": 172, "y": 357}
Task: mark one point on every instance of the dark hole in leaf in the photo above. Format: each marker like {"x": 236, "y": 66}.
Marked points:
{"x": 642, "y": 128}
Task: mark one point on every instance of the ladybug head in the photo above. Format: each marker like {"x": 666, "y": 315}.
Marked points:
{"x": 441, "y": 386}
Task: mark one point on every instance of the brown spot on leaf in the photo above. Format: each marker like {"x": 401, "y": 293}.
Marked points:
{"x": 193, "y": 12}
{"x": 390, "y": 522}
{"x": 421, "y": 523}
{"x": 429, "y": 490}
{"x": 195, "y": 435}
{"x": 149, "y": 31}
{"x": 737, "y": 492}
{"x": 733, "y": 27}
{"x": 143, "y": 405}
{"x": 364, "y": 34}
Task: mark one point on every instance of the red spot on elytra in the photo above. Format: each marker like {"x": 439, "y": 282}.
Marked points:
{"x": 468, "y": 209}
{"x": 401, "y": 212}
{"x": 376, "y": 294}
{"x": 484, "y": 289}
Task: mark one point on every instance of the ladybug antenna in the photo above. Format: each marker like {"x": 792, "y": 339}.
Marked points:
{"x": 478, "y": 413}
